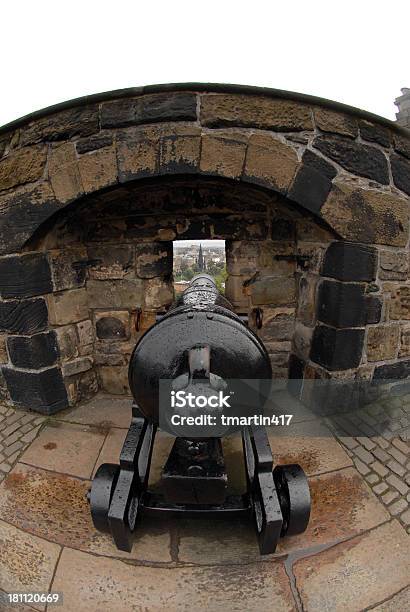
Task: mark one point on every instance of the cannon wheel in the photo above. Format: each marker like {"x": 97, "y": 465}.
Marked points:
{"x": 102, "y": 489}
{"x": 294, "y": 498}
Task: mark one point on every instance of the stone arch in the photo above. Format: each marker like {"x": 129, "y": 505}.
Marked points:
{"x": 345, "y": 168}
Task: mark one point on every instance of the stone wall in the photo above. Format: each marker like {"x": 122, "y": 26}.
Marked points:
{"x": 312, "y": 198}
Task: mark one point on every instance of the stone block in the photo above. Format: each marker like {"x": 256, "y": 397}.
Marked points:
{"x": 158, "y": 293}
{"x": 67, "y": 341}
{"x": 67, "y": 307}
{"x": 33, "y": 352}
{"x": 42, "y": 391}
{"x": 310, "y": 188}
{"x": 404, "y": 350}
{"x": 23, "y": 317}
{"x": 22, "y": 166}
{"x": 350, "y": 262}
{"x": 355, "y": 157}
{"x": 306, "y": 303}
{"x": 85, "y": 332}
{"x": 111, "y": 261}
{"x": 400, "y": 303}
{"x": 400, "y": 168}
{"x": 23, "y": 276}
{"x": 180, "y": 150}
{"x": 302, "y": 340}
{"x": 64, "y": 173}
{"x": 401, "y": 144}
{"x": 367, "y": 216}
{"x": 230, "y": 110}
{"x": 154, "y": 108}
{"x": 235, "y": 292}
{"x": 3, "y": 349}
{"x": 153, "y": 259}
{"x": 242, "y": 257}
{"x": 374, "y": 133}
{"x": 337, "y": 123}
{"x": 114, "y": 379}
{"x": 73, "y": 122}
{"x": 337, "y": 349}
{"x": 112, "y": 325}
{"x": 93, "y": 143}
{"x": 277, "y": 324}
{"x": 98, "y": 169}
{"x": 394, "y": 265}
{"x": 76, "y": 366}
{"x": 227, "y": 227}
{"x": 272, "y": 290}
{"x": 392, "y": 371}
{"x": 65, "y": 274}
{"x": 223, "y": 154}
{"x": 125, "y": 293}
{"x": 270, "y": 163}
{"x": 382, "y": 342}
{"x": 138, "y": 153}
{"x": 341, "y": 304}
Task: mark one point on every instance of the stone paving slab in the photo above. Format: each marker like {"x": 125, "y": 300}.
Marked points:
{"x": 27, "y": 562}
{"x": 95, "y": 583}
{"x": 357, "y": 574}
{"x": 102, "y": 411}
{"x": 110, "y": 450}
{"x": 18, "y": 428}
{"x": 66, "y": 448}
{"x": 397, "y": 603}
{"x": 54, "y": 506}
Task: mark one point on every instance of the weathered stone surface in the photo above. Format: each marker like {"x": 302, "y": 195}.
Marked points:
{"x": 350, "y": 262}
{"x": 227, "y": 227}
{"x": 153, "y": 259}
{"x": 22, "y": 166}
{"x": 398, "y": 370}
{"x": 76, "y": 366}
{"x": 374, "y": 133}
{"x": 111, "y": 261}
{"x": 149, "y": 109}
{"x": 277, "y": 324}
{"x": 65, "y": 271}
{"x": 282, "y": 229}
{"x": 337, "y": 349}
{"x": 222, "y": 110}
{"x": 404, "y": 350}
{"x": 25, "y": 276}
{"x": 125, "y": 293}
{"x": 68, "y": 306}
{"x": 241, "y": 257}
{"x": 382, "y": 342}
{"x": 99, "y": 141}
{"x": 401, "y": 172}
{"x": 306, "y": 302}
{"x": 357, "y": 158}
{"x": 33, "y": 352}
{"x": 80, "y": 121}
{"x": 158, "y": 293}
{"x": 302, "y": 340}
{"x": 223, "y": 153}
{"x": 342, "y": 304}
{"x": 367, "y": 216}
{"x": 98, "y": 169}
{"x": 270, "y": 163}
{"x": 82, "y": 387}
{"x": 331, "y": 578}
{"x": 112, "y": 325}
{"x": 28, "y": 562}
{"x": 122, "y": 586}
{"x": 337, "y": 123}
{"x": 402, "y": 144}
{"x": 23, "y": 317}
{"x": 137, "y": 153}
{"x": 272, "y": 290}
{"x": 400, "y": 303}
{"x": 235, "y": 291}
{"x": 114, "y": 379}
{"x": 179, "y": 149}
{"x": 42, "y": 391}
{"x": 85, "y": 332}
{"x": 64, "y": 173}
{"x": 394, "y": 265}
{"x": 3, "y": 349}
{"x": 313, "y": 182}
{"x": 67, "y": 342}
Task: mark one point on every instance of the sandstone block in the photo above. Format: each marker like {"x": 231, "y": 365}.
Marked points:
{"x": 272, "y": 290}
{"x": 67, "y": 341}
{"x": 277, "y": 324}
{"x": 82, "y": 364}
{"x": 270, "y": 163}
{"x": 179, "y": 150}
{"x": 306, "y": 309}
{"x": 67, "y": 307}
{"x": 223, "y": 154}
{"x": 337, "y": 123}
{"x": 125, "y": 293}
{"x": 367, "y": 216}
{"x": 112, "y": 261}
{"x": 98, "y": 169}
{"x": 400, "y": 303}
{"x": 158, "y": 293}
{"x": 138, "y": 153}
{"x": 70, "y": 123}
{"x": 25, "y": 165}
{"x": 394, "y": 265}
{"x": 65, "y": 274}
{"x": 382, "y": 342}
{"x": 64, "y": 173}
{"x": 235, "y": 292}
{"x": 241, "y": 257}
{"x": 85, "y": 332}
{"x": 153, "y": 259}
{"x": 302, "y": 340}
{"x": 404, "y": 350}
{"x": 114, "y": 379}
{"x": 3, "y": 350}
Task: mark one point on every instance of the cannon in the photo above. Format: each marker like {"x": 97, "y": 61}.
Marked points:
{"x": 199, "y": 349}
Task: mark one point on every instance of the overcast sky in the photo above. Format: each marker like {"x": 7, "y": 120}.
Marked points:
{"x": 354, "y": 52}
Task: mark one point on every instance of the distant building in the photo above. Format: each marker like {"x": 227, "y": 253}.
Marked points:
{"x": 403, "y": 104}
{"x": 201, "y": 260}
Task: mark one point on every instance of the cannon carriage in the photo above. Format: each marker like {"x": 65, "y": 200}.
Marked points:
{"x": 199, "y": 349}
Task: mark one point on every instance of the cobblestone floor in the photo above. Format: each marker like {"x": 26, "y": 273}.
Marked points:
{"x": 354, "y": 555}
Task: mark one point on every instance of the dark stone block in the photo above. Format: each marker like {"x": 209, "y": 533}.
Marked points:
{"x": 26, "y": 317}
{"x": 296, "y": 370}
{"x": 73, "y": 122}
{"x": 319, "y": 164}
{"x": 310, "y": 189}
{"x": 337, "y": 349}
{"x": 282, "y": 229}
{"x": 392, "y": 371}
{"x": 347, "y": 261}
{"x": 111, "y": 328}
{"x": 233, "y": 228}
{"x": 400, "y": 168}
{"x": 33, "y": 352}
{"x": 154, "y": 259}
{"x": 355, "y": 157}
{"x": 192, "y": 228}
{"x": 93, "y": 143}
{"x": 374, "y": 306}
{"x": 374, "y": 133}
{"x": 341, "y": 305}
{"x": 149, "y": 109}
{"x": 42, "y": 391}
{"x": 25, "y": 276}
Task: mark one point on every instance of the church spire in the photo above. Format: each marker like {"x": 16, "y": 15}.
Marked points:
{"x": 201, "y": 260}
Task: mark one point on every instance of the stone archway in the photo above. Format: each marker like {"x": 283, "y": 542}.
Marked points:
{"x": 344, "y": 168}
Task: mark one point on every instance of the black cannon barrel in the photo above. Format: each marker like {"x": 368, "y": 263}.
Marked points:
{"x": 201, "y": 326}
